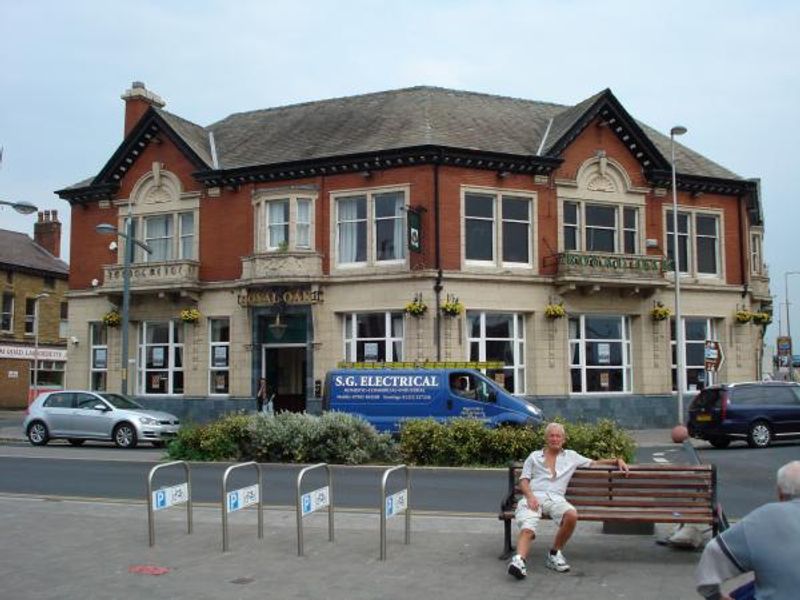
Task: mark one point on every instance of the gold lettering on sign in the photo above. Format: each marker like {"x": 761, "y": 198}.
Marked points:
{"x": 271, "y": 297}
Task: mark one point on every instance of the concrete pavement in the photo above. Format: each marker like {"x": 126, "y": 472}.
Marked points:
{"x": 85, "y": 549}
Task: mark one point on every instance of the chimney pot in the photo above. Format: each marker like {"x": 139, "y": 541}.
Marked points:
{"x": 137, "y": 100}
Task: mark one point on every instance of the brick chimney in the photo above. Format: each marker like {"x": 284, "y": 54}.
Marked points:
{"x": 137, "y": 100}
{"x": 47, "y": 232}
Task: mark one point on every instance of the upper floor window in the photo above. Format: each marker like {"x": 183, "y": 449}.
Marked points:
{"x": 170, "y": 237}
{"x": 497, "y": 228}
{"x": 593, "y": 227}
{"x": 698, "y": 243}
{"x": 370, "y": 228}
{"x": 7, "y": 313}
{"x": 63, "y": 325}
{"x": 30, "y": 315}
{"x": 284, "y": 221}
{"x": 756, "y": 256}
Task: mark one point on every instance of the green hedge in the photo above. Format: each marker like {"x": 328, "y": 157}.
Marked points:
{"x": 287, "y": 437}
{"x": 340, "y": 438}
{"x": 466, "y": 442}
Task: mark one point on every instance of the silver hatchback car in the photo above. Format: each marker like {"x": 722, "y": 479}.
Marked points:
{"x": 81, "y": 415}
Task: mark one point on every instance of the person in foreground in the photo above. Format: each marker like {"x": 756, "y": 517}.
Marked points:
{"x": 767, "y": 542}
{"x": 544, "y": 479}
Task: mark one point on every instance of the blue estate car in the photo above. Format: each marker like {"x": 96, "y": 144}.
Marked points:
{"x": 758, "y": 412}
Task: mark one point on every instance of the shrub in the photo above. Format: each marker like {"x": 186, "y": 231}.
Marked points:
{"x": 467, "y": 442}
{"x": 225, "y": 439}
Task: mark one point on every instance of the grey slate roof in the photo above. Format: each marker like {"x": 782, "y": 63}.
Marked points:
{"x": 17, "y": 249}
{"x": 397, "y": 119}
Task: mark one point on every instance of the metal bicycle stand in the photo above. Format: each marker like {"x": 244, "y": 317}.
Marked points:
{"x": 225, "y": 544}
{"x": 151, "y": 526}
{"x": 312, "y": 504}
{"x": 383, "y": 506}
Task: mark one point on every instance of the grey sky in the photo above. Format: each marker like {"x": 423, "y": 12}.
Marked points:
{"x": 727, "y": 70}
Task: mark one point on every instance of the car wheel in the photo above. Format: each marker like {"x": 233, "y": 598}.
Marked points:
{"x": 38, "y": 434}
{"x": 76, "y": 441}
{"x": 125, "y": 436}
{"x": 760, "y": 435}
{"x": 720, "y": 442}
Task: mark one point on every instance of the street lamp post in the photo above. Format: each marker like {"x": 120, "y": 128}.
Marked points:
{"x": 788, "y": 325}
{"x": 679, "y": 359}
{"x": 24, "y": 208}
{"x": 126, "y": 287}
{"x": 36, "y": 341}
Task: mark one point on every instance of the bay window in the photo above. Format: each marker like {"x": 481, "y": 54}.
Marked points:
{"x": 600, "y": 354}
{"x": 594, "y": 227}
{"x": 370, "y": 228}
{"x": 497, "y": 228}
{"x": 698, "y": 243}
{"x": 499, "y": 337}
{"x": 373, "y": 337}
{"x": 284, "y": 220}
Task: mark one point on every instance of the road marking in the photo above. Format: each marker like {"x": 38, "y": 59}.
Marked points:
{"x": 660, "y": 459}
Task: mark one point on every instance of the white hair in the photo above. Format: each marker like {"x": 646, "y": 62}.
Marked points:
{"x": 551, "y": 426}
{"x": 789, "y": 479}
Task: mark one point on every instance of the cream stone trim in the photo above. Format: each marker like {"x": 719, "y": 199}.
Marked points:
{"x": 370, "y": 265}
{"x": 497, "y": 231}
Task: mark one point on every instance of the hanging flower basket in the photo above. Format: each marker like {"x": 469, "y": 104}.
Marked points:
{"x": 452, "y": 307}
{"x": 417, "y": 307}
{"x": 555, "y": 311}
{"x": 744, "y": 316}
{"x": 762, "y": 318}
{"x": 190, "y": 315}
{"x": 660, "y": 312}
{"x": 112, "y": 319}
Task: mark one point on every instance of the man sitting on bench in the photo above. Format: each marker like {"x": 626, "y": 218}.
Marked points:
{"x": 543, "y": 482}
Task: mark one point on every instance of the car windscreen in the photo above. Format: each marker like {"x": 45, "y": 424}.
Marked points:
{"x": 120, "y": 401}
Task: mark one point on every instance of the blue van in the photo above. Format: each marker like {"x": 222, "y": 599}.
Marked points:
{"x": 386, "y": 397}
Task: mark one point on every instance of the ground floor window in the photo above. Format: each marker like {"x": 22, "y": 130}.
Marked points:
{"x": 98, "y": 356}
{"x": 50, "y": 375}
{"x": 373, "y": 337}
{"x": 219, "y": 356}
{"x": 695, "y": 333}
{"x": 600, "y": 354}
{"x": 499, "y": 337}
{"x": 161, "y": 357}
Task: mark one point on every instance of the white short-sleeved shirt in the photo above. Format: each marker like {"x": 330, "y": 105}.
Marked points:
{"x": 542, "y": 480}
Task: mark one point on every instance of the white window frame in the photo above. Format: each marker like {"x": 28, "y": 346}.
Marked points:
{"x": 498, "y": 221}
{"x": 371, "y": 260}
{"x": 692, "y": 236}
{"x": 626, "y": 352}
{"x": 175, "y": 241}
{"x": 517, "y": 341}
{"x": 171, "y": 346}
{"x": 351, "y": 339}
{"x": 711, "y": 334}
{"x": 756, "y": 252}
{"x": 31, "y": 318}
{"x": 93, "y": 348}
{"x": 619, "y": 225}
{"x": 9, "y": 314}
{"x": 261, "y": 203}
{"x": 212, "y": 345}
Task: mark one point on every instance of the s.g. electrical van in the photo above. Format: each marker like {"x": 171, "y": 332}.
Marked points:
{"x": 387, "y": 397}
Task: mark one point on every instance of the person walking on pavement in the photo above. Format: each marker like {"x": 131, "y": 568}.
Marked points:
{"x": 766, "y": 541}
{"x": 263, "y": 397}
{"x": 544, "y": 480}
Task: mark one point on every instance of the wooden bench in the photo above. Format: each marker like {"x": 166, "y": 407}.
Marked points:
{"x": 652, "y": 493}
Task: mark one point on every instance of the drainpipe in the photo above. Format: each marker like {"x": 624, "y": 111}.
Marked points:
{"x": 437, "y": 287}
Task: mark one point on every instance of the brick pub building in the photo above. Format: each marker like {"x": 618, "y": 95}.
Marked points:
{"x": 288, "y": 230}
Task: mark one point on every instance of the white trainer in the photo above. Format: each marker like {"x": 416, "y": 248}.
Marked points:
{"x": 557, "y": 562}
{"x": 517, "y": 567}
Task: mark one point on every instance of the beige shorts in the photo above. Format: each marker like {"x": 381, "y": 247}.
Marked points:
{"x": 551, "y": 505}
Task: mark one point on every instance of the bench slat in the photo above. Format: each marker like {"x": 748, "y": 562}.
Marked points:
{"x": 630, "y": 493}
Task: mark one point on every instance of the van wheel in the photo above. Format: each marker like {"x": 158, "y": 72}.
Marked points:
{"x": 760, "y": 435}
{"x": 720, "y": 442}
{"x": 38, "y": 434}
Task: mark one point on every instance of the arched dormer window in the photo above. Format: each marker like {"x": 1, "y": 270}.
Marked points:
{"x": 164, "y": 217}
{"x": 601, "y": 211}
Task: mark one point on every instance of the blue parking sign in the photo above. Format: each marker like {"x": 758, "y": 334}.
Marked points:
{"x": 389, "y": 506}
{"x": 233, "y": 501}
{"x": 306, "y": 504}
{"x": 161, "y": 499}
